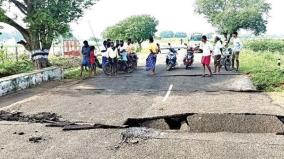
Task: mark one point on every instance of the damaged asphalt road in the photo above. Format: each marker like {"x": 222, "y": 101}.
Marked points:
{"x": 172, "y": 115}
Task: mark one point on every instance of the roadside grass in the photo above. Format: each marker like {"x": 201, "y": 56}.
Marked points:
{"x": 263, "y": 69}
{"x": 9, "y": 68}
{"x": 74, "y": 73}
{"x": 65, "y": 62}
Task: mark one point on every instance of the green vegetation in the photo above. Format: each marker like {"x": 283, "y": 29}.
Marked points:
{"x": 263, "y": 69}
{"x": 265, "y": 45}
{"x": 40, "y": 22}
{"x": 44, "y": 19}
{"x": 138, "y": 28}
{"x": 12, "y": 67}
{"x": 65, "y": 62}
{"x": 180, "y": 35}
{"x": 167, "y": 34}
{"x": 74, "y": 73}
{"x": 171, "y": 34}
{"x": 232, "y": 15}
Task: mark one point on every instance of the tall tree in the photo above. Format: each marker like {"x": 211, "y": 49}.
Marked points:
{"x": 40, "y": 21}
{"x": 229, "y": 16}
{"x": 139, "y": 28}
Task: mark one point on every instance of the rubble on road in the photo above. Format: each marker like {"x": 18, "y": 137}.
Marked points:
{"x": 34, "y": 118}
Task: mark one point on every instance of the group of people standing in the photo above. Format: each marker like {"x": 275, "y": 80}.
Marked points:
{"x": 216, "y": 51}
{"x": 111, "y": 51}
{"x": 208, "y": 51}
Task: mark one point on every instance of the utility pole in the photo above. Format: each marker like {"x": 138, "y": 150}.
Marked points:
{"x": 279, "y": 63}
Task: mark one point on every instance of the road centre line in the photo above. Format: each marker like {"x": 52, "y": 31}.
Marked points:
{"x": 168, "y": 93}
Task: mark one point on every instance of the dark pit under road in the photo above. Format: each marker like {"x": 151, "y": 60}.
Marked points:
{"x": 213, "y": 123}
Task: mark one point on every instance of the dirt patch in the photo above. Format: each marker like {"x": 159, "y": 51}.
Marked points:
{"x": 34, "y": 118}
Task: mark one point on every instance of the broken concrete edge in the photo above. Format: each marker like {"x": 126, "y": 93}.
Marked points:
{"x": 129, "y": 121}
{"x": 170, "y": 122}
{"x": 22, "y": 81}
{"x": 43, "y": 117}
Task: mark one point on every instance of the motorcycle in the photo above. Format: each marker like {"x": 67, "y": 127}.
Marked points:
{"x": 133, "y": 58}
{"x": 171, "y": 60}
{"x": 226, "y": 59}
{"x": 189, "y": 58}
{"x": 112, "y": 67}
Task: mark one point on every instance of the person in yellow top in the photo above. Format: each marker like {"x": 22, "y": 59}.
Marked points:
{"x": 152, "y": 58}
{"x": 130, "y": 47}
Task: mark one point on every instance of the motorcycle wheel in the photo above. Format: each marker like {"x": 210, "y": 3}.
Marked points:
{"x": 169, "y": 67}
{"x": 135, "y": 65}
{"x": 227, "y": 65}
{"x": 187, "y": 67}
{"x": 107, "y": 69}
{"x": 131, "y": 68}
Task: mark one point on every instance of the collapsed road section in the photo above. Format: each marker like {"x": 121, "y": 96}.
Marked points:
{"x": 190, "y": 122}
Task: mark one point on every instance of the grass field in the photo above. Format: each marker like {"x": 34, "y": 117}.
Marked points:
{"x": 263, "y": 69}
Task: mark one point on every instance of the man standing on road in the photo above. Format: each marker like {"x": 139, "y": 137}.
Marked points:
{"x": 237, "y": 46}
{"x": 206, "y": 55}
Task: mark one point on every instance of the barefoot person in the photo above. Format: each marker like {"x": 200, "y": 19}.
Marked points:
{"x": 217, "y": 52}
{"x": 206, "y": 55}
{"x": 152, "y": 58}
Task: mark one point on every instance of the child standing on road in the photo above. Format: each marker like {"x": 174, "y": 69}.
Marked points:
{"x": 236, "y": 50}
{"x": 92, "y": 61}
{"x": 104, "y": 53}
{"x": 218, "y": 48}
{"x": 206, "y": 55}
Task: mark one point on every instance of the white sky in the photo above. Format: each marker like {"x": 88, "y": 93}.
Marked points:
{"x": 176, "y": 15}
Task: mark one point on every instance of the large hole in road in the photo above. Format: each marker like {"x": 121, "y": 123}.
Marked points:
{"x": 212, "y": 123}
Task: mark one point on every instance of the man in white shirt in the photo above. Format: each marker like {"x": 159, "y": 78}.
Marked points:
{"x": 206, "y": 48}
{"x": 237, "y": 47}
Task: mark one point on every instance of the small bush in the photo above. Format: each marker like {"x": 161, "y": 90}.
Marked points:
{"x": 265, "y": 45}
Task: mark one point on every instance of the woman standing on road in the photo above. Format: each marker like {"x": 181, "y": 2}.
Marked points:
{"x": 152, "y": 58}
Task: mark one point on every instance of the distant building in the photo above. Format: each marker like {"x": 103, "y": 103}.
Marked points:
{"x": 71, "y": 48}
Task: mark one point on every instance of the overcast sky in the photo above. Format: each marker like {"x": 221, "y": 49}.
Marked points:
{"x": 176, "y": 15}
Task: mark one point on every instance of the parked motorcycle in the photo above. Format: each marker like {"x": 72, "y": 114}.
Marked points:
{"x": 189, "y": 58}
{"x": 112, "y": 67}
{"x": 226, "y": 59}
{"x": 171, "y": 60}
